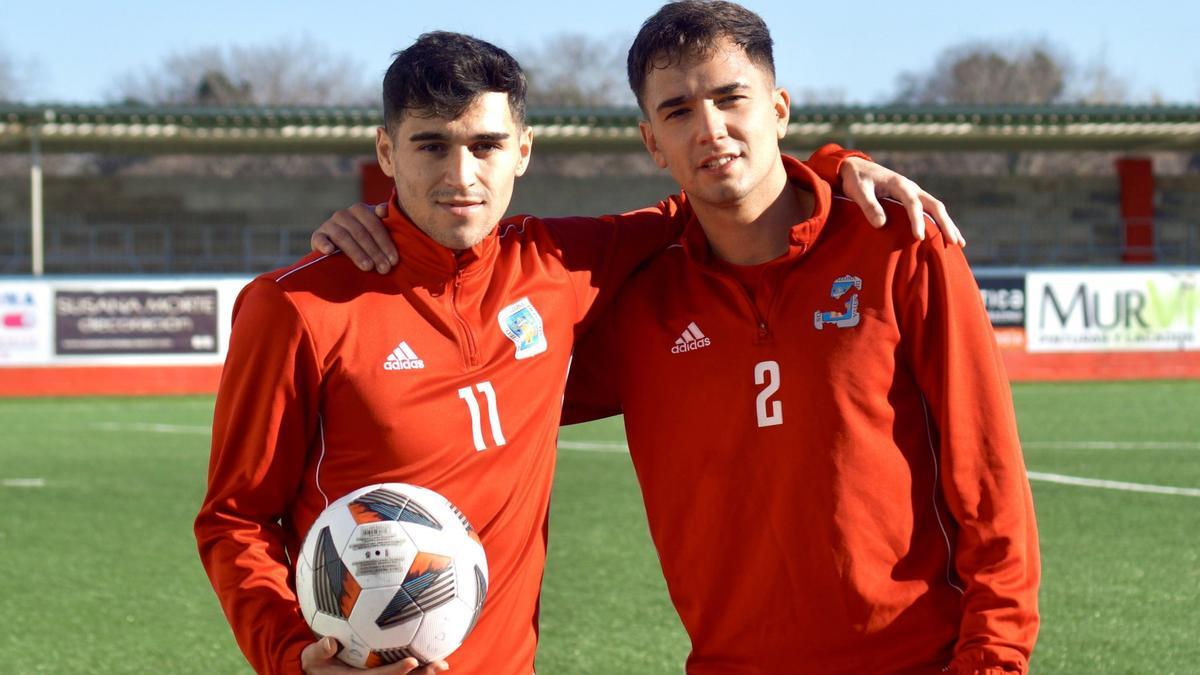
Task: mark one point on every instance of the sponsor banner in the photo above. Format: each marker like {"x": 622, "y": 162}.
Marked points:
{"x": 1144, "y": 310}
{"x": 24, "y": 323}
{"x": 1004, "y": 297}
{"x": 135, "y": 322}
{"x": 1010, "y": 338}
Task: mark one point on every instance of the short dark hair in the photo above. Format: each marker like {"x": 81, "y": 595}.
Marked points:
{"x": 441, "y": 73}
{"x": 691, "y": 28}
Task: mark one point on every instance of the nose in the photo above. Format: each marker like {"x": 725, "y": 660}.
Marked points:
{"x": 461, "y": 169}
{"x": 711, "y": 123}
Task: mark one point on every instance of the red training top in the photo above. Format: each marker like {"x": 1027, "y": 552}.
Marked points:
{"x": 830, "y": 463}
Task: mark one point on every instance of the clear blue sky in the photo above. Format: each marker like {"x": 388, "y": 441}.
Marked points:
{"x": 78, "y": 48}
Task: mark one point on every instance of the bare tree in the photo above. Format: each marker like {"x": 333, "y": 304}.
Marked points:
{"x": 818, "y": 95}
{"x": 574, "y": 69}
{"x": 983, "y": 73}
{"x": 1096, "y": 83}
{"x": 290, "y": 72}
{"x": 13, "y": 77}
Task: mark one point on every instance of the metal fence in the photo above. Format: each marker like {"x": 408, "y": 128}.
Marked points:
{"x": 155, "y": 249}
{"x": 251, "y": 249}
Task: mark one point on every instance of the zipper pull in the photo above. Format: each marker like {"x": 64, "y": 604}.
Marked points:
{"x": 762, "y": 329}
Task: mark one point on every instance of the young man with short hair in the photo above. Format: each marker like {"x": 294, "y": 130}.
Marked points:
{"x": 817, "y": 413}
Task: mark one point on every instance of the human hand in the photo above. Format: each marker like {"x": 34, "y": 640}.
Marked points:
{"x": 320, "y": 658}
{"x": 865, "y": 181}
{"x": 360, "y": 233}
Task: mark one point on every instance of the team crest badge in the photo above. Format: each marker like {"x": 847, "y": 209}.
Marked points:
{"x": 842, "y": 319}
{"x": 522, "y": 324}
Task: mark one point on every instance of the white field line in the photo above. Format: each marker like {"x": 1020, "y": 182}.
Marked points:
{"x": 23, "y": 482}
{"x": 1110, "y": 445}
{"x": 1033, "y": 475}
{"x": 1113, "y": 484}
{"x": 602, "y": 446}
{"x": 152, "y": 428}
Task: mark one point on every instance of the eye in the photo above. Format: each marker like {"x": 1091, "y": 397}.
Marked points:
{"x": 485, "y": 148}
{"x": 432, "y": 147}
{"x": 676, "y": 113}
{"x": 732, "y": 99}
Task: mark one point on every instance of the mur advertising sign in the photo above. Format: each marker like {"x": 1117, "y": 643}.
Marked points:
{"x": 135, "y": 321}
{"x": 1113, "y": 311}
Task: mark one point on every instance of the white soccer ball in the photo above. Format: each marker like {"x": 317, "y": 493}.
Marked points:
{"x": 392, "y": 570}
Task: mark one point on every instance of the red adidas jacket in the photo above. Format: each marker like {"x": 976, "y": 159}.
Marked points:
{"x": 830, "y": 466}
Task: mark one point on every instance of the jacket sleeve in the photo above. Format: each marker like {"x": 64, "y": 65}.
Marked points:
{"x": 826, "y": 162}
{"x": 593, "y": 382}
{"x": 265, "y": 416}
{"x": 601, "y": 253}
{"x": 948, "y": 344}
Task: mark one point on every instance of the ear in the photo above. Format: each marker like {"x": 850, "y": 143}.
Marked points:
{"x": 651, "y": 144}
{"x": 383, "y": 151}
{"x": 783, "y": 111}
{"x": 526, "y": 149}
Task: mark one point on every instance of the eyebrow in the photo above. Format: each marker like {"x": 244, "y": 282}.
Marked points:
{"x": 438, "y": 136}
{"x": 718, "y": 91}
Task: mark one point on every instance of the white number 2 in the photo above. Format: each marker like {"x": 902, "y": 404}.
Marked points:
{"x": 489, "y": 394}
{"x": 770, "y": 413}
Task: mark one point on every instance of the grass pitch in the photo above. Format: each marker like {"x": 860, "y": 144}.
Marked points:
{"x": 98, "y": 571}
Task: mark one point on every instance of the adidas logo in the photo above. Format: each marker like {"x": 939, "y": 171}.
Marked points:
{"x": 691, "y": 339}
{"x": 403, "y": 358}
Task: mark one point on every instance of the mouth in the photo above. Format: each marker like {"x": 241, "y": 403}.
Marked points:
{"x": 720, "y": 162}
{"x": 461, "y": 207}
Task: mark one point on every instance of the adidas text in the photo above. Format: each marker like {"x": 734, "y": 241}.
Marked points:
{"x": 403, "y": 365}
{"x": 689, "y": 346}
{"x": 403, "y": 358}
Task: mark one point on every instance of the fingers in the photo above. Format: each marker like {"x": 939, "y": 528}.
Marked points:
{"x": 909, "y": 195}
{"x": 862, "y": 191}
{"x": 316, "y": 657}
{"x": 410, "y": 666}
{"x": 361, "y": 235}
{"x": 319, "y": 242}
{"x": 942, "y": 217}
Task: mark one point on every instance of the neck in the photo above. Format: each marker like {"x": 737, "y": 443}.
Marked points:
{"x": 755, "y": 230}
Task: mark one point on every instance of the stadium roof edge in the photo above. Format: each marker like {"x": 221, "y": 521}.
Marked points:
{"x": 136, "y": 129}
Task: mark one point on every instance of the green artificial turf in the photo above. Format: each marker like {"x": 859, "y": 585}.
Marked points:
{"x": 98, "y": 570}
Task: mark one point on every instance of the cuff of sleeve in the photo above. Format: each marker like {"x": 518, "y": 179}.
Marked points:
{"x": 827, "y": 160}
{"x": 988, "y": 662}
{"x": 290, "y": 659}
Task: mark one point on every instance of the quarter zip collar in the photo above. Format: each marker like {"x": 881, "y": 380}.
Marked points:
{"x": 802, "y": 235}
{"x": 424, "y": 260}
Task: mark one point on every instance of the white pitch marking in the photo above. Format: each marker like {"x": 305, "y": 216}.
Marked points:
{"x": 602, "y": 446}
{"x": 1113, "y": 484}
{"x": 609, "y": 446}
{"x": 23, "y": 482}
{"x": 1110, "y": 445}
{"x": 153, "y": 428}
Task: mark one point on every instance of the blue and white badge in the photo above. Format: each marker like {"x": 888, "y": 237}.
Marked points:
{"x": 523, "y": 325}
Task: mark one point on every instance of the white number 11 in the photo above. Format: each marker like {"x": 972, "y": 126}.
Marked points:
{"x": 489, "y": 394}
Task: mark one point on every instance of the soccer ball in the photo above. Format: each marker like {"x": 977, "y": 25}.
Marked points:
{"x": 391, "y": 571}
